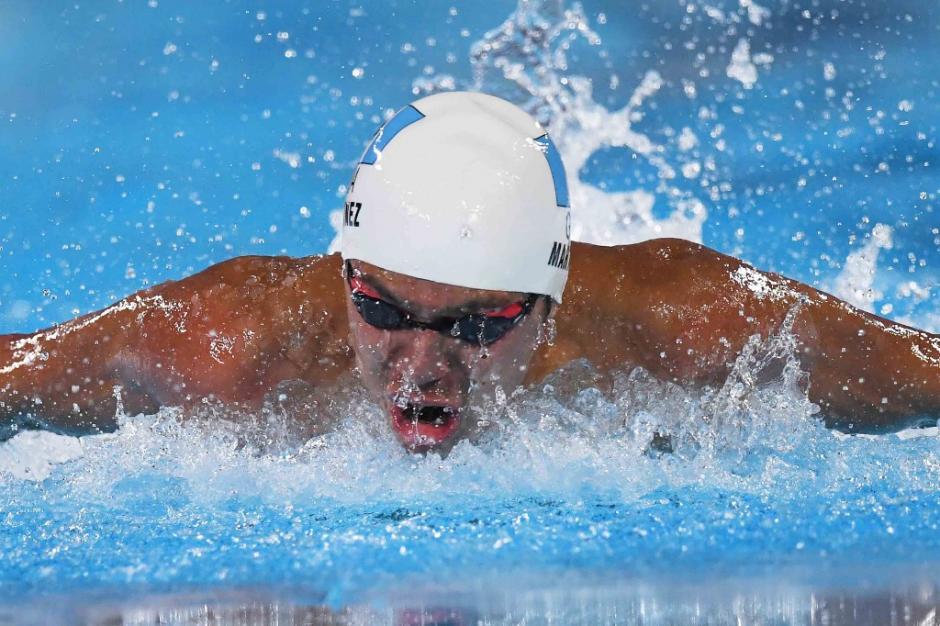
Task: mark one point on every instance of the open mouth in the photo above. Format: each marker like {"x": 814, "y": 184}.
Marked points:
{"x": 425, "y": 426}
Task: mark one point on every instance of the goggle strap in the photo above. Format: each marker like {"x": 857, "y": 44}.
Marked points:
{"x": 358, "y": 286}
{"x": 509, "y": 312}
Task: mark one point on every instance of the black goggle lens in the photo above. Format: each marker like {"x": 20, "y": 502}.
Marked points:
{"x": 379, "y": 313}
{"x": 482, "y": 329}
{"x": 474, "y": 328}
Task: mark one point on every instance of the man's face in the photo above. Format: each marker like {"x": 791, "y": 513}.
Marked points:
{"x": 426, "y": 380}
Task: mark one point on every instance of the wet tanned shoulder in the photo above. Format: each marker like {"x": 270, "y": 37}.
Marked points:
{"x": 668, "y": 305}
{"x": 236, "y": 330}
{"x": 311, "y": 313}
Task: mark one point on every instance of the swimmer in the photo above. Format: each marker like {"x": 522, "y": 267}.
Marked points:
{"x": 457, "y": 277}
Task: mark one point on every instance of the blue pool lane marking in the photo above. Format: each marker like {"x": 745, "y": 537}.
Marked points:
{"x": 557, "y": 168}
{"x": 407, "y": 116}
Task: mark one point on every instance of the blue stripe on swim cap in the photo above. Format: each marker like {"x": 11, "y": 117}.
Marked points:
{"x": 408, "y": 115}
{"x": 557, "y": 168}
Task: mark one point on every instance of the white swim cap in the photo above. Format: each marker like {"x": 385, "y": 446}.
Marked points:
{"x": 463, "y": 189}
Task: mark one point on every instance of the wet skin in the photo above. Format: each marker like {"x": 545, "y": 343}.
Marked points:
{"x": 409, "y": 369}
{"x": 237, "y": 330}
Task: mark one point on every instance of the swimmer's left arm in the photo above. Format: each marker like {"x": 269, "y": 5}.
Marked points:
{"x": 687, "y": 312}
{"x": 867, "y": 373}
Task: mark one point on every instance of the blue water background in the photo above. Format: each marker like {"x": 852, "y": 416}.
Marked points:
{"x": 138, "y": 139}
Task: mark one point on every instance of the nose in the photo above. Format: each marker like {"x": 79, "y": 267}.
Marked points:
{"x": 428, "y": 357}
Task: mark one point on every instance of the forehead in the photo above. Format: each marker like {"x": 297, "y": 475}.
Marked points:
{"x": 421, "y": 294}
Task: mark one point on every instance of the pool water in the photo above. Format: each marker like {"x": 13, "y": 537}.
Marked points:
{"x": 563, "y": 495}
{"x": 144, "y": 141}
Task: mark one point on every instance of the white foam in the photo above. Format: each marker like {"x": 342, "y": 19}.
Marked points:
{"x": 32, "y": 455}
{"x": 563, "y": 438}
{"x": 856, "y": 282}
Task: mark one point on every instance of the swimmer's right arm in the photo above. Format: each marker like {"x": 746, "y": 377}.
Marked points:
{"x": 219, "y": 334}
{"x": 64, "y": 377}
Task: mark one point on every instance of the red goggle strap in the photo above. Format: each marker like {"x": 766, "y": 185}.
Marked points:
{"x": 509, "y": 312}
{"x": 357, "y": 286}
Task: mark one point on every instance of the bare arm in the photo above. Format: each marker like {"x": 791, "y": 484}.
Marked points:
{"x": 867, "y": 373}
{"x": 65, "y": 376}
{"x": 685, "y": 312}
{"x": 228, "y": 333}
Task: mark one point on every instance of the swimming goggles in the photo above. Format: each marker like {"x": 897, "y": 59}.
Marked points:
{"x": 478, "y": 328}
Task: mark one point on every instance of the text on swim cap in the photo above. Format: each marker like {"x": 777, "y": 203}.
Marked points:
{"x": 559, "y": 255}
{"x": 351, "y": 214}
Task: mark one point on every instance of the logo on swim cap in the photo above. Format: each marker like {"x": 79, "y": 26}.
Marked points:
{"x": 463, "y": 189}
{"x": 559, "y": 255}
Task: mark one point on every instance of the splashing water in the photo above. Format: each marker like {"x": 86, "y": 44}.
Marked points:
{"x": 855, "y": 283}
{"x": 526, "y": 59}
{"x": 567, "y": 478}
